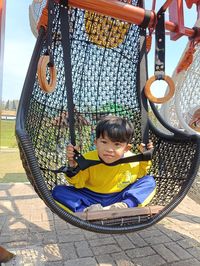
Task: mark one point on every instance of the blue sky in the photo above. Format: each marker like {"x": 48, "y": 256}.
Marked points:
{"x": 19, "y": 44}
{"x": 18, "y": 47}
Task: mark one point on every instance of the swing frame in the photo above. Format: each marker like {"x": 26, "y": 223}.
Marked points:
{"x": 34, "y": 172}
{"x": 137, "y": 15}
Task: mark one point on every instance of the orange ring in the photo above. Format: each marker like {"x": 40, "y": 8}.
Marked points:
{"x": 147, "y": 90}
{"x": 41, "y": 71}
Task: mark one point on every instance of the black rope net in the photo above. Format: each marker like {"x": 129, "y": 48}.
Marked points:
{"x": 105, "y": 55}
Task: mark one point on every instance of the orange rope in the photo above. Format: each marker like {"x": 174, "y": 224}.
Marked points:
{"x": 148, "y": 42}
{"x": 187, "y": 59}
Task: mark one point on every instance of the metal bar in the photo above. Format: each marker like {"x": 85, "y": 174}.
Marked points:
{"x": 176, "y": 16}
{"x": 115, "y": 9}
{"x": 165, "y": 6}
{"x": 125, "y": 12}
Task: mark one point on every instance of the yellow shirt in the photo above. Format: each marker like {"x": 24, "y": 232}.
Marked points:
{"x": 105, "y": 179}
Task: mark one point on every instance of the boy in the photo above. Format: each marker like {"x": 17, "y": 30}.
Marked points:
{"x": 103, "y": 186}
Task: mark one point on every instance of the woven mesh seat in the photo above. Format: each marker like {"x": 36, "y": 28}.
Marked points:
{"x": 105, "y": 78}
{"x": 180, "y": 109}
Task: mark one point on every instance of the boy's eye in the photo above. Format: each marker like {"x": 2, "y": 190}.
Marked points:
{"x": 104, "y": 141}
{"x": 118, "y": 144}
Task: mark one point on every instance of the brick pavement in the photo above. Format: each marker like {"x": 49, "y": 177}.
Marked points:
{"x": 38, "y": 237}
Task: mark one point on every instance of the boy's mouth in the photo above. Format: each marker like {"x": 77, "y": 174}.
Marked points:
{"x": 108, "y": 156}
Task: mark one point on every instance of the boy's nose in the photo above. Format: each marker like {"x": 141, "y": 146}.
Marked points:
{"x": 109, "y": 149}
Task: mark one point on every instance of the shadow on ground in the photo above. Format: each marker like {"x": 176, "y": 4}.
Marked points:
{"x": 38, "y": 237}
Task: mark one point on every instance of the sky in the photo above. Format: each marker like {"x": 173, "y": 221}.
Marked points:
{"x": 20, "y": 41}
{"x": 18, "y": 48}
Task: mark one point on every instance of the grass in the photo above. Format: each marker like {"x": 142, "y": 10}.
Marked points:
{"x": 11, "y": 169}
{"x": 8, "y": 134}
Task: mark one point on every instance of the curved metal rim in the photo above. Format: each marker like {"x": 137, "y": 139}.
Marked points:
{"x": 180, "y": 116}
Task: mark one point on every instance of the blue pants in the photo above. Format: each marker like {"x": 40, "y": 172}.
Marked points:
{"x": 79, "y": 199}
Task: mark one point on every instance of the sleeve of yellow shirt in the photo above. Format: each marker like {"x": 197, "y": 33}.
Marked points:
{"x": 144, "y": 168}
{"x": 78, "y": 181}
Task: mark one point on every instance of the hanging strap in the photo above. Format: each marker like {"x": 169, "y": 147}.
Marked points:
{"x": 49, "y": 32}
{"x": 85, "y": 163}
{"x": 142, "y": 80}
{"x": 143, "y": 76}
{"x": 159, "y": 70}
{"x": 68, "y": 68}
{"x": 146, "y": 20}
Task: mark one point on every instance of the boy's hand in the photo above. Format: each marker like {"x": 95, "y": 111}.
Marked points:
{"x": 70, "y": 155}
{"x": 142, "y": 147}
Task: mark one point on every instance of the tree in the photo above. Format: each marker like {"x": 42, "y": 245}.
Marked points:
{"x": 7, "y": 105}
{"x": 14, "y": 107}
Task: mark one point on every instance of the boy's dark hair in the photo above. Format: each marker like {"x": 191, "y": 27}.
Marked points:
{"x": 118, "y": 129}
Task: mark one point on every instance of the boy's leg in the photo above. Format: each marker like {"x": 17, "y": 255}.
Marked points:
{"x": 139, "y": 193}
{"x": 78, "y": 200}
{"x": 74, "y": 199}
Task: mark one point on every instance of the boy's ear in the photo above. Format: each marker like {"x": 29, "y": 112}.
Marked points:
{"x": 95, "y": 142}
{"x": 128, "y": 147}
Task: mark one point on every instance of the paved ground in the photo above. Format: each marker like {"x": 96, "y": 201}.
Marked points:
{"x": 38, "y": 237}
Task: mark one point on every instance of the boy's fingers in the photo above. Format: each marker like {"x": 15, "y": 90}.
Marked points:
{"x": 70, "y": 150}
{"x": 70, "y": 147}
{"x": 70, "y": 153}
{"x": 76, "y": 148}
{"x": 141, "y": 147}
{"x": 150, "y": 145}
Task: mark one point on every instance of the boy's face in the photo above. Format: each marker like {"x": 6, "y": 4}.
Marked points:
{"x": 110, "y": 151}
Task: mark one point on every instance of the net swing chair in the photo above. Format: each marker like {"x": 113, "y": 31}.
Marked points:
{"x": 183, "y": 109}
{"x": 86, "y": 65}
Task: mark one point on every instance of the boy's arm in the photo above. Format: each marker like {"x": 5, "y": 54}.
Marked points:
{"x": 79, "y": 179}
{"x": 144, "y": 168}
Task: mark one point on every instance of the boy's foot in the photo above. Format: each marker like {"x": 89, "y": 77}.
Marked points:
{"x": 118, "y": 205}
{"x": 98, "y": 207}
{"x": 93, "y": 208}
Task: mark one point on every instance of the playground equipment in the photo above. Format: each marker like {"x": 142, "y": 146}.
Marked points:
{"x": 180, "y": 109}
{"x": 90, "y": 61}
